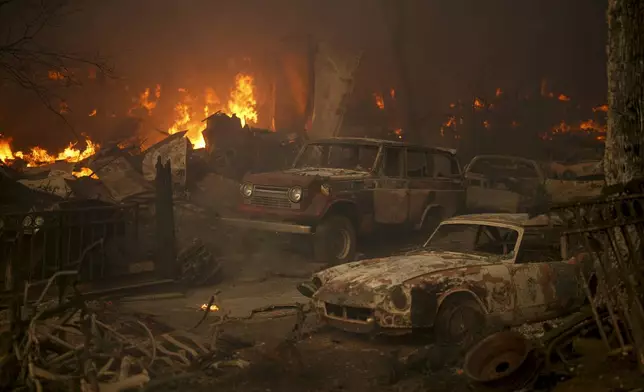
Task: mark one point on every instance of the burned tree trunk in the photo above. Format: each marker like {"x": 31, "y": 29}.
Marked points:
{"x": 623, "y": 158}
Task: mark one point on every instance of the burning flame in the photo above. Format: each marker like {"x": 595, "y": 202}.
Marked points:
{"x": 39, "y": 156}
{"x": 380, "y": 102}
{"x": 499, "y": 92}
{"x": 213, "y": 308}
{"x": 92, "y": 113}
{"x": 144, "y": 100}
{"x": 242, "y": 101}
{"x": 85, "y": 172}
{"x": 392, "y": 93}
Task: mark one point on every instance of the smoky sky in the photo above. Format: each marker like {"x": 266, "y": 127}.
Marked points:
{"x": 454, "y": 49}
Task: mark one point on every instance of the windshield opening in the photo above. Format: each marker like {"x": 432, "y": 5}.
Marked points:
{"x": 338, "y": 156}
{"x": 474, "y": 238}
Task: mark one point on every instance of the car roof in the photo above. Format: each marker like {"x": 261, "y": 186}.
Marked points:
{"x": 504, "y": 157}
{"x": 519, "y": 220}
{"x": 377, "y": 142}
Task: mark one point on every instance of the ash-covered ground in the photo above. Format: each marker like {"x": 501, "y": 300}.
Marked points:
{"x": 259, "y": 272}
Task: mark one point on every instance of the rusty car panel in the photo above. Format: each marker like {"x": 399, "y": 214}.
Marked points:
{"x": 403, "y": 292}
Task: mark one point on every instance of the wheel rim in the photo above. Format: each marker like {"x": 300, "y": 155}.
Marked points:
{"x": 341, "y": 244}
{"x": 463, "y": 324}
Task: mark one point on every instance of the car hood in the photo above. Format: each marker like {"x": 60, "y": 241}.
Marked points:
{"x": 366, "y": 283}
{"x": 303, "y": 176}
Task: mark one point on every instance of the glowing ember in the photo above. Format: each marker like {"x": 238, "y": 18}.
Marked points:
{"x": 563, "y": 98}
{"x": 478, "y": 104}
{"x": 92, "y": 113}
{"x": 380, "y": 102}
{"x": 85, "y": 172}
{"x": 392, "y": 93}
{"x": 602, "y": 108}
{"x": 486, "y": 124}
{"x": 499, "y": 92}
{"x": 55, "y": 75}
{"x": 242, "y": 100}
{"x": 398, "y": 132}
{"x": 450, "y": 121}
{"x": 213, "y": 308}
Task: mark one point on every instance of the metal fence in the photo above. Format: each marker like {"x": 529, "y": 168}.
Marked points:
{"x": 37, "y": 244}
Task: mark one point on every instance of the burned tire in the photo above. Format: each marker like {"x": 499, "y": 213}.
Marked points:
{"x": 460, "y": 321}
{"x": 334, "y": 240}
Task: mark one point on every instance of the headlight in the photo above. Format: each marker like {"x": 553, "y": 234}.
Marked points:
{"x": 399, "y": 298}
{"x": 325, "y": 189}
{"x": 295, "y": 194}
{"x": 39, "y": 221}
{"x": 247, "y": 189}
{"x": 28, "y": 221}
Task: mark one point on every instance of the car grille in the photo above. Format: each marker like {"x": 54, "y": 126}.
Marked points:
{"x": 272, "y": 197}
{"x": 348, "y": 312}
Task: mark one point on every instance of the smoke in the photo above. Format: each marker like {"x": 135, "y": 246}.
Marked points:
{"x": 455, "y": 48}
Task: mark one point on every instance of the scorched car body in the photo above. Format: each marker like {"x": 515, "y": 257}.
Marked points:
{"x": 499, "y": 269}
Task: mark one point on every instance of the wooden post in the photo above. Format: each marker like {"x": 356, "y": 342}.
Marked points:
{"x": 166, "y": 255}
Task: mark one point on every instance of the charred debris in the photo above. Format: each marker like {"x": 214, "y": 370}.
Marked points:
{"x": 120, "y": 214}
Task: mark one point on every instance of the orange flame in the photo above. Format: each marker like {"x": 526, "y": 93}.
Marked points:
{"x": 242, "y": 100}
{"x": 380, "y": 102}
{"x": 392, "y": 93}
{"x": 92, "y": 113}
{"x": 5, "y": 150}
{"x": 499, "y": 92}
{"x": 38, "y": 156}
{"x": 85, "y": 172}
{"x": 144, "y": 100}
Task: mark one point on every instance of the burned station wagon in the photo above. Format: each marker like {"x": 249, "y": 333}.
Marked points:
{"x": 340, "y": 189}
{"x": 475, "y": 270}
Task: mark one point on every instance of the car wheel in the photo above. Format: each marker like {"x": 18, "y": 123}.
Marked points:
{"x": 334, "y": 240}
{"x": 460, "y": 322}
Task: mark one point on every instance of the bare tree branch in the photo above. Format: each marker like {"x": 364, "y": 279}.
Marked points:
{"x": 30, "y": 64}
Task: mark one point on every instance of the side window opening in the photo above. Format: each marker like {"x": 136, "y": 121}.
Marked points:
{"x": 417, "y": 165}
{"x": 392, "y": 165}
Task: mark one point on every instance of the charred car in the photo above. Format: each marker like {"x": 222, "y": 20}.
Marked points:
{"x": 500, "y": 183}
{"x": 475, "y": 271}
{"x": 340, "y": 189}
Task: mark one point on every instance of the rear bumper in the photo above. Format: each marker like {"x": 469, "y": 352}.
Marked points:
{"x": 277, "y": 227}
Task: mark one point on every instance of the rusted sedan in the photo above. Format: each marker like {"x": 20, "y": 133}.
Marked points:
{"x": 475, "y": 270}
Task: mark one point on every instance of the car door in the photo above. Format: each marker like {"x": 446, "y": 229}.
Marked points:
{"x": 546, "y": 286}
{"x": 420, "y": 170}
{"x": 482, "y": 193}
{"x": 447, "y": 184}
{"x": 391, "y": 193}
